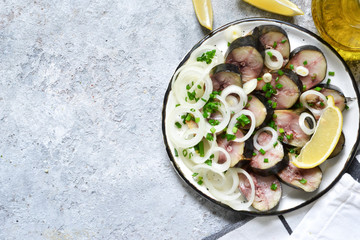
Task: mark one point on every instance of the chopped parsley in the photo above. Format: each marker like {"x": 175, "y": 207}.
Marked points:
{"x": 176, "y": 152}
{"x": 208, "y": 162}
{"x": 230, "y": 137}
{"x": 269, "y": 90}
{"x": 211, "y": 106}
{"x": 243, "y": 120}
{"x": 207, "y": 57}
{"x": 278, "y": 85}
{"x": 235, "y": 129}
{"x": 209, "y": 137}
{"x": 289, "y": 136}
{"x": 214, "y": 122}
{"x": 303, "y": 181}
{"x": 272, "y": 125}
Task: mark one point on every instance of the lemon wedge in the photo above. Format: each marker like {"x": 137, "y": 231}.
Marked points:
{"x": 282, "y": 7}
{"x": 204, "y": 13}
{"x": 324, "y": 140}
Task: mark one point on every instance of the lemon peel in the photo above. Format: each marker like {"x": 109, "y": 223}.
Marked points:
{"x": 282, "y": 7}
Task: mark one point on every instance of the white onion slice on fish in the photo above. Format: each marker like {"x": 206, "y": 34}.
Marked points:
{"x": 302, "y": 119}
{"x": 225, "y": 112}
{"x": 192, "y": 77}
{"x": 210, "y": 180}
{"x": 234, "y": 120}
{"x": 305, "y": 104}
{"x": 242, "y": 204}
{"x": 250, "y": 85}
{"x": 233, "y": 89}
{"x": 271, "y": 64}
{"x": 185, "y": 137}
{"x": 216, "y": 167}
{"x": 272, "y": 141}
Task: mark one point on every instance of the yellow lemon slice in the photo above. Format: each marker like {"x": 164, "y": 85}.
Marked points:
{"x": 204, "y": 13}
{"x": 324, "y": 140}
{"x": 282, "y": 7}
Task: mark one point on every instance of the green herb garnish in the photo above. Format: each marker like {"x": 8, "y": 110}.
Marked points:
{"x": 207, "y": 57}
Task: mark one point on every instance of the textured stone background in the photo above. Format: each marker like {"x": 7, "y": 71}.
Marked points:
{"x": 81, "y": 91}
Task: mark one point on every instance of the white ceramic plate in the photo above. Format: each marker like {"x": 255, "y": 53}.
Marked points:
{"x": 332, "y": 169}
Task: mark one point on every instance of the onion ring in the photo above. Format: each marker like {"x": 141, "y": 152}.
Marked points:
{"x": 302, "y": 124}
{"x": 272, "y": 141}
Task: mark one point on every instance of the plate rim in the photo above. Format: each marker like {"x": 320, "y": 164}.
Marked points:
{"x": 275, "y": 212}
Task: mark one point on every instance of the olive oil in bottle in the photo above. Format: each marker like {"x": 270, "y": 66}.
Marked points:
{"x": 338, "y": 22}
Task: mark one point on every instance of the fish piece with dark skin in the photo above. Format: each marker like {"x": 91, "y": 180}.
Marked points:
{"x": 268, "y": 191}
{"x": 243, "y": 52}
{"x": 313, "y": 59}
{"x": 306, "y": 179}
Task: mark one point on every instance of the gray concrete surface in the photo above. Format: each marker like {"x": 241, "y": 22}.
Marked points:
{"x": 81, "y": 91}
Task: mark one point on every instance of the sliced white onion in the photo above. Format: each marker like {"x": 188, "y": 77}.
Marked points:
{"x": 196, "y": 158}
{"x": 231, "y": 174}
{"x": 250, "y": 86}
{"x": 195, "y": 76}
{"x": 216, "y": 167}
{"x": 302, "y": 71}
{"x": 232, "y": 33}
{"x": 184, "y": 137}
{"x": 302, "y": 124}
{"x": 225, "y": 112}
{"x": 273, "y": 65}
{"x": 241, "y": 203}
{"x": 272, "y": 141}
{"x": 267, "y": 77}
{"x": 218, "y": 58}
{"x": 219, "y": 194}
{"x": 233, "y": 89}
{"x": 198, "y": 67}
{"x": 305, "y": 104}
{"x": 223, "y": 166}
{"x": 234, "y": 120}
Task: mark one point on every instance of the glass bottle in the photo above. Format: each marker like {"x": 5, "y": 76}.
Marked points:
{"x": 338, "y": 22}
